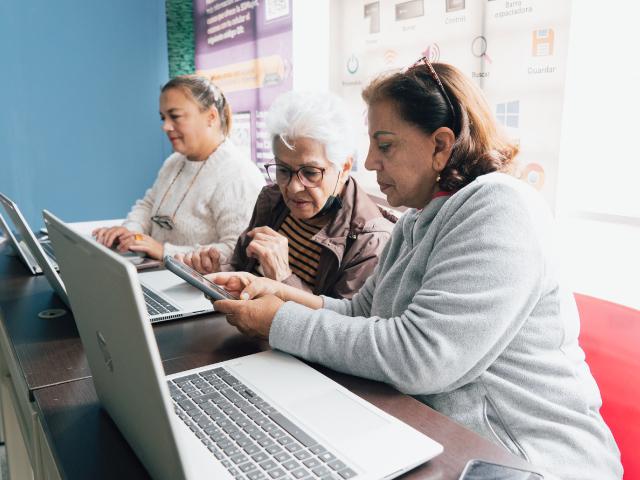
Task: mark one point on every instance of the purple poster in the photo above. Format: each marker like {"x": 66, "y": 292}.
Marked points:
{"x": 244, "y": 46}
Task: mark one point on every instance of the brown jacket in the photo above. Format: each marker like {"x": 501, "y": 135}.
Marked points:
{"x": 351, "y": 242}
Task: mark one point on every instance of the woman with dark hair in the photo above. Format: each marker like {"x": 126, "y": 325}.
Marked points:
{"x": 204, "y": 192}
{"x": 464, "y": 310}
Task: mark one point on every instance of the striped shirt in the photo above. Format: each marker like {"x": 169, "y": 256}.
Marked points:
{"x": 304, "y": 253}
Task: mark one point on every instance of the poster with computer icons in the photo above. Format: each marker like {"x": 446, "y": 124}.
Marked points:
{"x": 245, "y": 47}
{"x": 516, "y": 51}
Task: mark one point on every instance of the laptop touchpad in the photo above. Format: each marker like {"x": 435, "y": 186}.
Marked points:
{"x": 333, "y": 415}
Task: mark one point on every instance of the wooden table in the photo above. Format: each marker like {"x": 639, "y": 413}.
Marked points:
{"x": 68, "y": 435}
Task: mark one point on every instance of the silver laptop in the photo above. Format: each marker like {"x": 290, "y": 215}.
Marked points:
{"x": 262, "y": 416}
{"x": 167, "y": 296}
{"x": 26, "y": 244}
{"x": 19, "y": 247}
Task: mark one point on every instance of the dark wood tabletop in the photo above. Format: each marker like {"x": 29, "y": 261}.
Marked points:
{"x": 49, "y": 350}
{"x": 87, "y": 444}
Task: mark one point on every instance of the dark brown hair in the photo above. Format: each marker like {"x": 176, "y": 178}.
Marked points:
{"x": 206, "y": 94}
{"x": 480, "y": 146}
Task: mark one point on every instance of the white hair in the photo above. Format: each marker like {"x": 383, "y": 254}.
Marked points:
{"x": 320, "y": 116}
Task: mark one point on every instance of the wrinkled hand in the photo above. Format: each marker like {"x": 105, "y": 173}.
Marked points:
{"x": 251, "y": 317}
{"x": 139, "y": 242}
{"x": 203, "y": 260}
{"x": 247, "y": 286}
{"x": 107, "y": 236}
{"x": 271, "y": 249}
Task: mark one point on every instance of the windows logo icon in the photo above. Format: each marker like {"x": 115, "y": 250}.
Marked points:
{"x": 508, "y": 113}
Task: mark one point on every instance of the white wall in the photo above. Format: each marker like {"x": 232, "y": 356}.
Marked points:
{"x": 311, "y": 44}
{"x": 598, "y": 208}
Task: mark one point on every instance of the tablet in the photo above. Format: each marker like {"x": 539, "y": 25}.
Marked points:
{"x": 192, "y": 277}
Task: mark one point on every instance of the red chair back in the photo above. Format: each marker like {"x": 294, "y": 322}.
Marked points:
{"x": 610, "y": 338}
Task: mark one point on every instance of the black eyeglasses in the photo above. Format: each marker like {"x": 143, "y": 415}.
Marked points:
{"x": 434, "y": 76}
{"x": 282, "y": 175}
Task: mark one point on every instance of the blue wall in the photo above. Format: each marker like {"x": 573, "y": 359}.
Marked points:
{"x": 79, "y": 82}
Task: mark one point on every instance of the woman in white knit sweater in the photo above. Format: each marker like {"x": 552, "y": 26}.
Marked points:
{"x": 205, "y": 191}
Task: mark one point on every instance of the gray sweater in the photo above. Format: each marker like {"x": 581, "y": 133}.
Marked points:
{"x": 465, "y": 312}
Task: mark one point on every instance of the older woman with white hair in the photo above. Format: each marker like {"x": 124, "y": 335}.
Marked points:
{"x": 315, "y": 228}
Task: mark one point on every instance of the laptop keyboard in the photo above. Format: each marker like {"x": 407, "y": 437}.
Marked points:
{"x": 156, "y": 305}
{"x": 246, "y": 434}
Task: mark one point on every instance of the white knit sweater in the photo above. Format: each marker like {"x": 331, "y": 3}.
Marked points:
{"x": 214, "y": 212}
